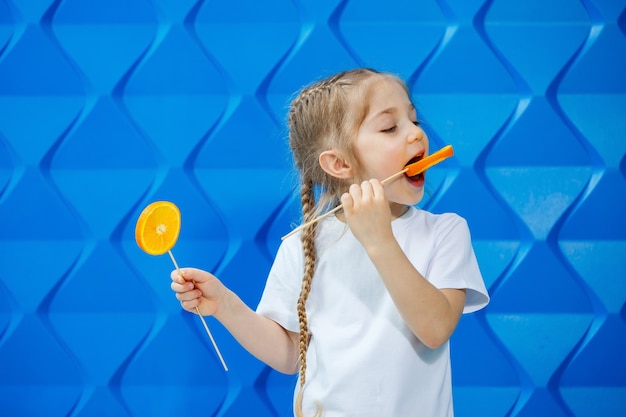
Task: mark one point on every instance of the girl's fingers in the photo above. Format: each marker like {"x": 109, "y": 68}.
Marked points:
{"x": 366, "y": 191}
{"x": 377, "y": 187}
{"x": 190, "y": 305}
{"x": 176, "y": 277}
{"x": 188, "y": 295}
{"x": 361, "y": 191}
{"x": 362, "y": 195}
{"x": 347, "y": 201}
{"x": 181, "y": 287}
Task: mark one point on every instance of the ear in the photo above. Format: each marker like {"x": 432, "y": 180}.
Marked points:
{"x": 333, "y": 162}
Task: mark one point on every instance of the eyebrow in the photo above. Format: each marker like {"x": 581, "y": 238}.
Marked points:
{"x": 391, "y": 110}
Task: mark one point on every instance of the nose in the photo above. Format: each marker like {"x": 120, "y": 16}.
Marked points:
{"x": 416, "y": 133}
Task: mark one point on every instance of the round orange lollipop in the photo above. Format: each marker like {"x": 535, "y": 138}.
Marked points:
{"x": 158, "y": 227}
{"x": 156, "y": 233}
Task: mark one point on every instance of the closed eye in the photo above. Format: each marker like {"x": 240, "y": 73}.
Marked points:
{"x": 390, "y": 130}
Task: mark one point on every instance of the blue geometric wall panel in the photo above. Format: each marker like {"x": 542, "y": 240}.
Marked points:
{"x": 106, "y": 106}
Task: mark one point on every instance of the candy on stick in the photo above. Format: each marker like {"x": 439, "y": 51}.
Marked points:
{"x": 427, "y": 162}
{"x": 156, "y": 233}
{"x": 409, "y": 170}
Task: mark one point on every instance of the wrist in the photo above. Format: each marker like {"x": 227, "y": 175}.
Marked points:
{"x": 225, "y": 305}
{"x": 379, "y": 247}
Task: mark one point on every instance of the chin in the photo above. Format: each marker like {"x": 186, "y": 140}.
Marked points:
{"x": 411, "y": 200}
{"x": 417, "y": 198}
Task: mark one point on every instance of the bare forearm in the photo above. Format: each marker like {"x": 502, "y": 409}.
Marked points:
{"x": 259, "y": 335}
{"x": 431, "y": 314}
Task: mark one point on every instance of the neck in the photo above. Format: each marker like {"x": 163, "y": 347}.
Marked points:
{"x": 397, "y": 210}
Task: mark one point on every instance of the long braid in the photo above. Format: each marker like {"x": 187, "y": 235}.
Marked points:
{"x": 308, "y": 244}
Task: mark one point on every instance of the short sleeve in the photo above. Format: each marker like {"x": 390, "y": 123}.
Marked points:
{"x": 282, "y": 289}
{"x": 454, "y": 263}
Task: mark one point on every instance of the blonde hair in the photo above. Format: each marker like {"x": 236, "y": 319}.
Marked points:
{"x": 325, "y": 115}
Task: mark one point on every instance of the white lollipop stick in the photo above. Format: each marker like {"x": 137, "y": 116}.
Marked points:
{"x": 206, "y": 327}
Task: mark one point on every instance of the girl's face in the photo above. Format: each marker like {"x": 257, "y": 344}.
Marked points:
{"x": 388, "y": 139}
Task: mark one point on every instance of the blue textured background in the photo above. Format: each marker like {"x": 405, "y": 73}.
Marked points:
{"x": 108, "y": 105}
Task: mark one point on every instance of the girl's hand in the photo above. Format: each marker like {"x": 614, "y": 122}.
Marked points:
{"x": 198, "y": 288}
{"x": 367, "y": 213}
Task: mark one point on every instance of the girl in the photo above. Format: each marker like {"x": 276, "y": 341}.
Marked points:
{"x": 362, "y": 304}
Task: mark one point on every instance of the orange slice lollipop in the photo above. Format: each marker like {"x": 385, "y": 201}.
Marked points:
{"x": 427, "y": 162}
{"x": 158, "y": 227}
{"x": 156, "y": 233}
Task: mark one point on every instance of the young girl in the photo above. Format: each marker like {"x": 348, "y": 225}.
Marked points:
{"x": 362, "y": 304}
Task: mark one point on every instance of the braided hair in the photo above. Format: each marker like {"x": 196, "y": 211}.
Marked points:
{"x": 325, "y": 115}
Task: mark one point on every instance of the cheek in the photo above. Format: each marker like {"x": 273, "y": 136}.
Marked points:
{"x": 376, "y": 160}
{"x": 371, "y": 169}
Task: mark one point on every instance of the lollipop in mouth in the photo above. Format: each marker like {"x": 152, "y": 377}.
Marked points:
{"x": 417, "y": 176}
{"x": 419, "y": 164}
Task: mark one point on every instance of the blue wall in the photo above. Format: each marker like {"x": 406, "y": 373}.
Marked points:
{"x": 108, "y": 105}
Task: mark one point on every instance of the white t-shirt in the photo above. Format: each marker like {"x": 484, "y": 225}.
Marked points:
{"x": 362, "y": 359}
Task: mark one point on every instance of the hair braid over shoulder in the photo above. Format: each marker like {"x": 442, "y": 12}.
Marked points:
{"x": 308, "y": 244}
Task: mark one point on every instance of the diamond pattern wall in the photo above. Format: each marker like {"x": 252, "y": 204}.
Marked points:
{"x": 106, "y": 106}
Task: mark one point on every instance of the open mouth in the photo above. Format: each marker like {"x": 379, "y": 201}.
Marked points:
{"x": 413, "y": 160}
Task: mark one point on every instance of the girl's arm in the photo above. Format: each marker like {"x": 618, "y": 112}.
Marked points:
{"x": 259, "y": 335}
{"x": 431, "y": 313}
